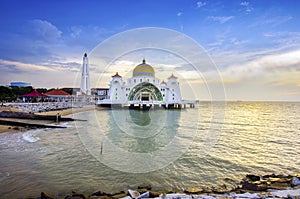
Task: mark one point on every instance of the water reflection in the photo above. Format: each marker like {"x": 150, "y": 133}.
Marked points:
{"x": 140, "y": 118}
{"x": 139, "y": 141}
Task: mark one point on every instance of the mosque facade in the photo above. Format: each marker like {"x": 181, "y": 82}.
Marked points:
{"x": 143, "y": 89}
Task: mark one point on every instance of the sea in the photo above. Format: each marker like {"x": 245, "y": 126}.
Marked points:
{"x": 214, "y": 144}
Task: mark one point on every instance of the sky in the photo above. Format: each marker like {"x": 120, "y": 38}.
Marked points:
{"x": 253, "y": 44}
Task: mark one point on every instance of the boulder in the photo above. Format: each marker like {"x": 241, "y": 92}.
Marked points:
{"x": 120, "y": 195}
{"x": 98, "y": 193}
{"x": 45, "y": 195}
{"x": 147, "y": 186}
{"x": 253, "y": 186}
{"x": 279, "y": 186}
{"x": 193, "y": 190}
{"x": 154, "y": 194}
{"x": 133, "y": 193}
{"x": 253, "y": 177}
{"x": 144, "y": 195}
{"x": 295, "y": 181}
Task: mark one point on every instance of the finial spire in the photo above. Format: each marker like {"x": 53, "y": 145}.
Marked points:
{"x": 144, "y": 61}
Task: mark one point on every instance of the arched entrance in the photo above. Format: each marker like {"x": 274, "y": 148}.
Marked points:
{"x": 145, "y": 92}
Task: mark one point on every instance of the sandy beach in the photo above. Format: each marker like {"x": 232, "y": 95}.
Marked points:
{"x": 65, "y": 112}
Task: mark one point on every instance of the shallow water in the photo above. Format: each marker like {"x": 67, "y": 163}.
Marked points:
{"x": 113, "y": 150}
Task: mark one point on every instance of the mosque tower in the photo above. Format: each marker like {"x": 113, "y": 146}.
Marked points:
{"x": 85, "y": 88}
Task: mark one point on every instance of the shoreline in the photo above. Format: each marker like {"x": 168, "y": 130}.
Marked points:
{"x": 63, "y": 112}
{"x": 251, "y": 187}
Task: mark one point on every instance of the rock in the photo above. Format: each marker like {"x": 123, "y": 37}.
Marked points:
{"x": 296, "y": 187}
{"x": 45, "y": 195}
{"x": 253, "y": 177}
{"x": 98, "y": 193}
{"x": 295, "y": 181}
{"x": 253, "y": 187}
{"x": 77, "y": 196}
{"x": 121, "y": 195}
{"x": 144, "y": 195}
{"x": 100, "y": 197}
{"x": 133, "y": 194}
{"x": 147, "y": 186}
{"x": 279, "y": 186}
{"x": 269, "y": 176}
{"x": 278, "y": 180}
{"x": 154, "y": 194}
{"x": 141, "y": 190}
{"x": 193, "y": 190}
{"x": 127, "y": 197}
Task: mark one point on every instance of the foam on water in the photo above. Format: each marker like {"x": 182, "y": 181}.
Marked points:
{"x": 31, "y": 135}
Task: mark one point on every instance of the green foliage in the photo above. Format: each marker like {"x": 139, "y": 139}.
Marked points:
{"x": 42, "y": 90}
{"x": 12, "y": 93}
{"x": 6, "y": 93}
{"x": 69, "y": 90}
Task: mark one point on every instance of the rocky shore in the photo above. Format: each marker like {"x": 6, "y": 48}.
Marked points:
{"x": 252, "y": 186}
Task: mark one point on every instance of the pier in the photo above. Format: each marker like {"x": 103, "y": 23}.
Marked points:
{"x": 147, "y": 105}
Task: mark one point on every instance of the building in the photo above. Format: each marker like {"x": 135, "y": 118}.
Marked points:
{"x": 20, "y": 84}
{"x": 85, "y": 88}
{"x": 58, "y": 95}
{"x": 101, "y": 93}
{"x": 143, "y": 89}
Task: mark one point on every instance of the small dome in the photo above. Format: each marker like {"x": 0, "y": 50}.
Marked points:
{"x": 143, "y": 69}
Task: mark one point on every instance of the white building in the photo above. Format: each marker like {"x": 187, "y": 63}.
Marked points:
{"x": 85, "y": 88}
{"x": 143, "y": 89}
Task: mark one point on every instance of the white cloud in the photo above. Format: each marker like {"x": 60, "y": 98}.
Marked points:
{"x": 220, "y": 19}
{"x": 247, "y": 6}
{"x": 179, "y": 14}
{"x": 271, "y": 20}
{"x": 236, "y": 41}
{"x": 284, "y": 38}
{"x": 24, "y": 66}
{"x": 200, "y": 4}
{"x": 244, "y": 3}
{"x": 286, "y": 63}
{"x": 76, "y": 30}
{"x": 43, "y": 30}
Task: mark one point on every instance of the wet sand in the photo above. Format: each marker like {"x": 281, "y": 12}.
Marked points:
{"x": 65, "y": 112}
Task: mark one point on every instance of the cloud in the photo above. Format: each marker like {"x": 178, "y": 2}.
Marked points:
{"x": 220, "y": 19}
{"x": 284, "y": 38}
{"x": 23, "y": 66}
{"x": 247, "y": 6}
{"x": 43, "y": 30}
{"x": 281, "y": 68}
{"x": 244, "y": 3}
{"x": 75, "y": 31}
{"x": 200, "y": 4}
{"x": 236, "y": 41}
{"x": 271, "y": 20}
{"x": 179, "y": 14}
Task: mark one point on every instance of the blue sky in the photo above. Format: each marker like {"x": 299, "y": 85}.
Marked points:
{"x": 255, "y": 44}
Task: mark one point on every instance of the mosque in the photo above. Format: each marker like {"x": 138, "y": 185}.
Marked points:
{"x": 143, "y": 90}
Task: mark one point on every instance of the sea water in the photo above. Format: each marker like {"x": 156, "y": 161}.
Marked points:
{"x": 112, "y": 150}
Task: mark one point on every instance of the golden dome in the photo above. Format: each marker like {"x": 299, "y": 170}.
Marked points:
{"x": 143, "y": 69}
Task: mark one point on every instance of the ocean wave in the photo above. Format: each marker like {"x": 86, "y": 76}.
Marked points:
{"x": 31, "y": 136}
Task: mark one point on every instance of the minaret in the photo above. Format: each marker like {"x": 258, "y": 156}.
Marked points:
{"x": 85, "y": 77}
